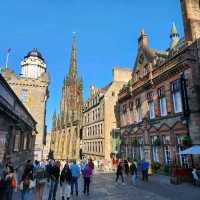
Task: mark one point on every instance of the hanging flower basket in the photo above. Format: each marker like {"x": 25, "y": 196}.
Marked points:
{"x": 156, "y": 142}
{"x": 186, "y": 141}
{"x": 135, "y": 142}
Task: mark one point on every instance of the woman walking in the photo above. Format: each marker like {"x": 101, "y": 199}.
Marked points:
{"x": 65, "y": 182}
{"x": 87, "y": 172}
{"x": 25, "y": 186}
{"x": 10, "y": 182}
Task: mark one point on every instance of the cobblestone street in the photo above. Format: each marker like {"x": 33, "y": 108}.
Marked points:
{"x": 103, "y": 187}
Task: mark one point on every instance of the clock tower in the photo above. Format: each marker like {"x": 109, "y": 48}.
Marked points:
{"x": 32, "y": 89}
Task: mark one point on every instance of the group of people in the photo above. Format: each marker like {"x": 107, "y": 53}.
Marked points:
{"x": 36, "y": 174}
{"x": 24, "y": 180}
{"x": 68, "y": 178}
{"x": 131, "y": 168}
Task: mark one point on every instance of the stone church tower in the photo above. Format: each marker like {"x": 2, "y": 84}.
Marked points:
{"x": 66, "y": 127}
{"x": 32, "y": 88}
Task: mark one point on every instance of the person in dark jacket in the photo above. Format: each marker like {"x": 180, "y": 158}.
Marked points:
{"x": 133, "y": 171}
{"x": 54, "y": 178}
{"x": 87, "y": 172}
{"x": 119, "y": 172}
{"x": 65, "y": 182}
{"x": 126, "y": 167}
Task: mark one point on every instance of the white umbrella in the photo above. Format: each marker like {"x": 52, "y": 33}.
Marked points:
{"x": 194, "y": 150}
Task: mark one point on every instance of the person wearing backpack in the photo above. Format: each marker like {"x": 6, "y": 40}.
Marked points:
{"x": 65, "y": 182}
{"x": 10, "y": 182}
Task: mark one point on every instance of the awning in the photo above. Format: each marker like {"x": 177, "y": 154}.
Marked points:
{"x": 194, "y": 150}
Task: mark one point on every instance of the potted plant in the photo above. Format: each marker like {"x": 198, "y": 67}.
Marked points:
{"x": 186, "y": 141}
{"x": 156, "y": 142}
{"x": 135, "y": 142}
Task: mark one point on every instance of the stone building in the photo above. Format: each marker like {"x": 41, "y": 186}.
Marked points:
{"x": 99, "y": 117}
{"x": 32, "y": 89}
{"x": 66, "y": 126}
{"x": 159, "y": 108}
{"x": 17, "y": 128}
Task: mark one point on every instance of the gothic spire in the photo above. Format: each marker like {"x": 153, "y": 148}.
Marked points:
{"x": 73, "y": 59}
{"x": 174, "y": 36}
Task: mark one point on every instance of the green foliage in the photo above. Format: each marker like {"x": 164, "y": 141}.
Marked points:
{"x": 155, "y": 166}
{"x": 186, "y": 140}
{"x": 167, "y": 169}
{"x": 156, "y": 142}
{"x": 135, "y": 142}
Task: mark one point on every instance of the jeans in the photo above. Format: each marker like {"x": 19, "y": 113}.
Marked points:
{"x": 66, "y": 189}
{"x": 145, "y": 175}
{"x": 86, "y": 185}
{"x": 25, "y": 194}
{"x": 53, "y": 189}
{"x": 133, "y": 177}
{"x": 121, "y": 177}
{"x": 74, "y": 182}
{"x": 9, "y": 193}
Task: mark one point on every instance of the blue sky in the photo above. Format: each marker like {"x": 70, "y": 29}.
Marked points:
{"x": 107, "y": 32}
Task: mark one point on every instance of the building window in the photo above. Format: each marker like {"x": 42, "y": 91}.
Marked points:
{"x": 182, "y": 158}
{"x": 154, "y": 148}
{"x": 113, "y": 93}
{"x": 151, "y": 110}
{"x": 145, "y": 70}
{"x": 139, "y": 110}
{"x": 23, "y": 95}
{"x": 141, "y": 148}
{"x": 16, "y": 143}
{"x": 166, "y": 148}
{"x": 125, "y": 118}
{"x": 176, "y": 96}
{"x": 162, "y": 101}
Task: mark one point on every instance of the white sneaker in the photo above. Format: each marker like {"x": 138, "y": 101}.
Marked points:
{"x": 123, "y": 184}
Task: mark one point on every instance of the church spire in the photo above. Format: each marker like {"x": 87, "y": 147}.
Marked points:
{"x": 73, "y": 60}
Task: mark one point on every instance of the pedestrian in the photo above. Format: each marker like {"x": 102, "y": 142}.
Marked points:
{"x": 87, "y": 172}
{"x": 29, "y": 169}
{"x": 75, "y": 170}
{"x": 54, "y": 179}
{"x": 39, "y": 176}
{"x": 119, "y": 172}
{"x": 195, "y": 177}
{"x": 26, "y": 185}
{"x": 126, "y": 167}
{"x": 133, "y": 171}
{"x": 65, "y": 182}
{"x": 10, "y": 182}
{"x": 145, "y": 168}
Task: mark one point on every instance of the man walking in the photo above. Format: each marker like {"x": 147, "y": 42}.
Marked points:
{"x": 145, "y": 167}
{"x": 54, "y": 178}
{"x": 75, "y": 171}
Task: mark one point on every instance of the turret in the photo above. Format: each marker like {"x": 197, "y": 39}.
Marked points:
{"x": 174, "y": 36}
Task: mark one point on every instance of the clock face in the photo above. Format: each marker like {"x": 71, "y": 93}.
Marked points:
{"x": 141, "y": 59}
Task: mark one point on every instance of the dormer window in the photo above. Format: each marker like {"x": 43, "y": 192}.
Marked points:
{"x": 145, "y": 70}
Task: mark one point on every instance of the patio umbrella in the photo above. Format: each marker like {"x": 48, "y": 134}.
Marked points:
{"x": 194, "y": 150}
